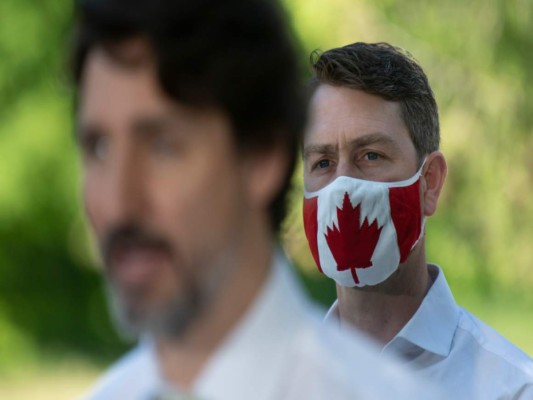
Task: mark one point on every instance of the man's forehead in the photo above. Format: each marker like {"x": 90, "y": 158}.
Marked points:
{"x": 340, "y": 114}
{"x": 129, "y": 54}
{"x": 347, "y": 104}
{"x": 114, "y": 98}
{"x": 131, "y": 67}
{"x": 109, "y": 89}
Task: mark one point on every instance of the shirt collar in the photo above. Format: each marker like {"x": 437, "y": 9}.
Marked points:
{"x": 431, "y": 328}
{"x": 333, "y": 317}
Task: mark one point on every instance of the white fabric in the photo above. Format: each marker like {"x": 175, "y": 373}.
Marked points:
{"x": 447, "y": 344}
{"x": 280, "y": 350}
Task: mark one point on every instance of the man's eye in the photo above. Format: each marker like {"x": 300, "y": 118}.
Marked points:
{"x": 371, "y": 156}
{"x": 95, "y": 147}
{"x": 323, "y": 164}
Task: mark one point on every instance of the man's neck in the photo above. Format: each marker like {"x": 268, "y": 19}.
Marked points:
{"x": 381, "y": 311}
{"x": 182, "y": 360}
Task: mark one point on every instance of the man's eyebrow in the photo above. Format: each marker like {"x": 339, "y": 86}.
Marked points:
{"x": 318, "y": 149}
{"x": 143, "y": 125}
{"x": 373, "y": 138}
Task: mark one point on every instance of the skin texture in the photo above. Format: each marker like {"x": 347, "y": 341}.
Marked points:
{"x": 197, "y": 204}
{"x": 356, "y": 134}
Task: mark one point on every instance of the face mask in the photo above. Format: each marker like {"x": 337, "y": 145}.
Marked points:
{"x": 360, "y": 231}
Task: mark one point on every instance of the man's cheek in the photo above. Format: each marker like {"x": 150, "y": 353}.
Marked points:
{"x": 92, "y": 205}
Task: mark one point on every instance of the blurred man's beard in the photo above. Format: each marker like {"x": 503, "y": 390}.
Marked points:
{"x": 134, "y": 309}
{"x": 133, "y": 318}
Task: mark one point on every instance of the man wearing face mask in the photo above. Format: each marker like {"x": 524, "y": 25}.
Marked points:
{"x": 373, "y": 172}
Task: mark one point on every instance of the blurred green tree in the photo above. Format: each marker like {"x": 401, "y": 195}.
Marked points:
{"x": 50, "y": 294}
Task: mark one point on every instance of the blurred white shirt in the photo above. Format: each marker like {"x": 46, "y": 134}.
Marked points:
{"x": 280, "y": 350}
{"x": 445, "y": 343}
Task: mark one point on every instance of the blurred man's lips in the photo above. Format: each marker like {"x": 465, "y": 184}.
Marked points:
{"x": 135, "y": 265}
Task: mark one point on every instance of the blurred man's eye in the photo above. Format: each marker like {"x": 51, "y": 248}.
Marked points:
{"x": 94, "y": 146}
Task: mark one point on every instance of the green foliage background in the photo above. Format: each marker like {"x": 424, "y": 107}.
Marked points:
{"x": 478, "y": 56}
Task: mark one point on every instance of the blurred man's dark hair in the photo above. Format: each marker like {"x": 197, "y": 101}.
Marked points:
{"x": 391, "y": 73}
{"x": 207, "y": 53}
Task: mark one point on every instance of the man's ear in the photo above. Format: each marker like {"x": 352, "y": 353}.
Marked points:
{"x": 265, "y": 172}
{"x": 433, "y": 177}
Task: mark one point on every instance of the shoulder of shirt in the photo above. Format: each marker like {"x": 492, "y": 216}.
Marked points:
{"x": 343, "y": 363}
{"x": 495, "y": 345}
{"x": 327, "y": 362}
{"x": 125, "y": 372}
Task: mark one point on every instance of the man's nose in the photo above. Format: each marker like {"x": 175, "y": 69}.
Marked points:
{"x": 127, "y": 197}
{"x": 347, "y": 168}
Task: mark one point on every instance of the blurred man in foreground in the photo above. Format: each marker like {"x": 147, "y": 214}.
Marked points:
{"x": 189, "y": 117}
{"x": 373, "y": 172}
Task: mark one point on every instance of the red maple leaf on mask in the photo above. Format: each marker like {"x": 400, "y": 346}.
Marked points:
{"x": 351, "y": 243}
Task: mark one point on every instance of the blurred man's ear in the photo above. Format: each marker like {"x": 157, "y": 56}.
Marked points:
{"x": 265, "y": 172}
{"x": 433, "y": 177}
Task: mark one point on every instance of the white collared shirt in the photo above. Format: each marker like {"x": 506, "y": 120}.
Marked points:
{"x": 447, "y": 344}
{"x": 280, "y": 350}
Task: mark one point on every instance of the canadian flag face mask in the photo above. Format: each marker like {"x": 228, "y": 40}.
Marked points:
{"x": 360, "y": 231}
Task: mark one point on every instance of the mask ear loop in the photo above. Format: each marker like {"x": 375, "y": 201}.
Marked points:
{"x": 422, "y": 230}
{"x": 423, "y": 223}
{"x": 419, "y": 172}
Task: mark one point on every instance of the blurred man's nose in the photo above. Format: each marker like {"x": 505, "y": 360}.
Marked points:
{"x": 125, "y": 190}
